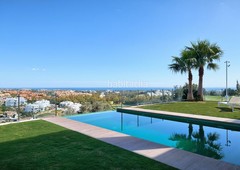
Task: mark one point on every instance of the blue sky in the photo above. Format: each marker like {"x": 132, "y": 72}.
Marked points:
{"x": 92, "y": 43}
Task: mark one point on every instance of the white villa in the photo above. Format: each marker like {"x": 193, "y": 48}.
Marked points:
{"x": 102, "y": 95}
{"x": 13, "y": 102}
{"x": 38, "y": 106}
{"x": 43, "y": 104}
{"x": 160, "y": 93}
{"x": 76, "y": 107}
{"x": 65, "y": 104}
{"x": 32, "y": 108}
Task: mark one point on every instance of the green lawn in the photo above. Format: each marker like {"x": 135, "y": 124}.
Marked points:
{"x": 208, "y": 108}
{"x": 42, "y": 145}
{"x": 213, "y": 98}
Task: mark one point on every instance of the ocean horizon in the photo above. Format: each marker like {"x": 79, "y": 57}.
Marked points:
{"x": 105, "y": 88}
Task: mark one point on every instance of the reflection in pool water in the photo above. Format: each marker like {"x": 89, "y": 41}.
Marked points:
{"x": 197, "y": 142}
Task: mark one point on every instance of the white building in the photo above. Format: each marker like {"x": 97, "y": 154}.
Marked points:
{"x": 160, "y": 93}
{"x": 43, "y": 104}
{"x": 65, "y": 103}
{"x": 32, "y": 108}
{"x": 13, "y": 102}
{"x": 76, "y": 107}
{"x": 102, "y": 95}
{"x": 38, "y": 106}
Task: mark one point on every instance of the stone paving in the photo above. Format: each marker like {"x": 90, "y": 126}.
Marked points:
{"x": 200, "y": 118}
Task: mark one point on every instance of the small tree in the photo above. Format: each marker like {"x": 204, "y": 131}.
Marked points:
{"x": 69, "y": 111}
{"x": 4, "y": 108}
{"x": 86, "y": 107}
{"x": 231, "y": 92}
{"x": 185, "y": 91}
{"x": 177, "y": 93}
{"x": 238, "y": 88}
{"x": 100, "y": 106}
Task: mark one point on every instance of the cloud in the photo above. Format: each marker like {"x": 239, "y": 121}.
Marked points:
{"x": 38, "y": 69}
{"x": 35, "y": 69}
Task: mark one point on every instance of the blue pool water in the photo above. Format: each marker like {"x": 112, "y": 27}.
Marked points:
{"x": 208, "y": 141}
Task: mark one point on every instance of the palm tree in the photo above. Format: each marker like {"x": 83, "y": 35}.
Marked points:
{"x": 184, "y": 64}
{"x": 205, "y": 54}
{"x": 197, "y": 142}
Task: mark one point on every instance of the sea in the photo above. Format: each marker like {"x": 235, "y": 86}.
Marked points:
{"x": 107, "y": 88}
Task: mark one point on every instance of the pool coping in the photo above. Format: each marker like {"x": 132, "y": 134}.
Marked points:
{"x": 226, "y": 123}
{"x": 171, "y": 156}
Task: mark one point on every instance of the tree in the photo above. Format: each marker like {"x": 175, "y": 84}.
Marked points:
{"x": 185, "y": 91}
{"x": 177, "y": 92}
{"x": 238, "y": 87}
{"x": 205, "y": 55}
{"x": 69, "y": 111}
{"x": 231, "y": 92}
{"x": 184, "y": 64}
{"x": 86, "y": 107}
{"x": 4, "y": 108}
{"x": 197, "y": 142}
{"x": 100, "y": 106}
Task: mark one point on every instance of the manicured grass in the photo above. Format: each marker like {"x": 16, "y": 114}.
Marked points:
{"x": 213, "y": 98}
{"x": 42, "y": 145}
{"x": 208, "y": 108}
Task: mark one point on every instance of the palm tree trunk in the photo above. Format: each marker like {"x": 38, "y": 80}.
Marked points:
{"x": 201, "y": 133}
{"x": 190, "y": 88}
{"x": 190, "y": 131}
{"x": 202, "y": 139}
{"x": 200, "y": 83}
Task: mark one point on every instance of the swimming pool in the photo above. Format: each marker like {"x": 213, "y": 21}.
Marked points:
{"x": 213, "y": 142}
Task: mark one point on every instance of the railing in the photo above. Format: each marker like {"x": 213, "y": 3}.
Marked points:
{"x": 114, "y": 99}
{"x": 144, "y": 97}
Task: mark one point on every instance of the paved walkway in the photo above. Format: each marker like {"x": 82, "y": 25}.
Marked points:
{"x": 174, "y": 157}
{"x": 182, "y": 115}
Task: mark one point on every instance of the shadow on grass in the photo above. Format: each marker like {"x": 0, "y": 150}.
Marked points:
{"x": 67, "y": 149}
{"x": 227, "y": 109}
{"x": 224, "y": 109}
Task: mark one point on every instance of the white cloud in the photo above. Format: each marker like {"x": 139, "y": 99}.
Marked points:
{"x": 38, "y": 69}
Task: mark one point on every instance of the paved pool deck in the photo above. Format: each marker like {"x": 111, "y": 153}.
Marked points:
{"x": 171, "y": 156}
{"x": 226, "y": 122}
